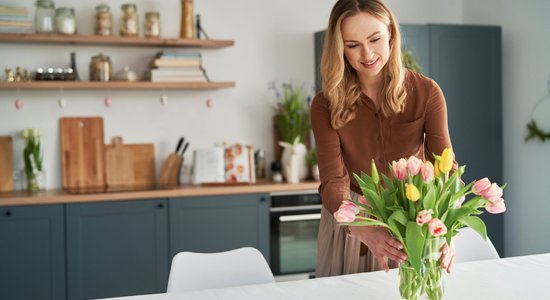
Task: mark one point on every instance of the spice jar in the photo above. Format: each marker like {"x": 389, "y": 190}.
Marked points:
{"x": 151, "y": 25}
{"x": 65, "y": 22}
{"x": 103, "y": 20}
{"x": 101, "y": 68}
{"x": 187, "y": 28}
{"x": 43, "y": 16}
{"x": 129, "y": 22}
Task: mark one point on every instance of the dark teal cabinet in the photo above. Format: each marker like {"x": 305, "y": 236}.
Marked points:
{"x": 219, "y": 223}
{"x": 32, "y": 252}
{"x": 117, "y": 248}
{"x": 466, "y": 63}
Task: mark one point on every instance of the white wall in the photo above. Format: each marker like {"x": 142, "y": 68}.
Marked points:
{"x": 526, "y": 67}
{"x": 273, "y": 41}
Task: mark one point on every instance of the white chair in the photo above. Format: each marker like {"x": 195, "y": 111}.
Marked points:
{"x": 196, "y": 271}
{"x": 470, "y": 246}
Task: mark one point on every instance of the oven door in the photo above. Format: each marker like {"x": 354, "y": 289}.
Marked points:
{"x": 294, "y": 239}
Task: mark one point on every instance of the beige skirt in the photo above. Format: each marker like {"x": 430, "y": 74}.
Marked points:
{"x": 338, "y": 253}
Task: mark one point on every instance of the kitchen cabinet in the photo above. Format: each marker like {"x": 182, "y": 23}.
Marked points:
{"x": 112, "y": 41}
{"x": 466, "y": 62}
{"x": 32, "y": 252}
{"x": 219, "y": 223}
{"x": 117, "y": 248}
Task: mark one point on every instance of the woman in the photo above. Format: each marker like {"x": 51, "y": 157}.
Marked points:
{"x": 370, "y": 108}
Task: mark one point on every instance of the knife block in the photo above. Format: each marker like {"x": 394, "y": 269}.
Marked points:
{"x": 170, "y": 170}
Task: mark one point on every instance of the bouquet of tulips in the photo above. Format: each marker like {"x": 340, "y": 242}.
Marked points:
{"x": 423, "y": 206}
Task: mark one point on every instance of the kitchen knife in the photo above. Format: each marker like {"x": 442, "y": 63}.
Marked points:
{"x": 178, "y": 147}
{"x": 184, "y": 148}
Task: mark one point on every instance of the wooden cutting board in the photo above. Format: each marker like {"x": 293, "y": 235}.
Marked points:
{"x": 119, "y": 164}
{"x": 6, "y": 164}
{"x": 82, "y": 152}
{"x": 143, "y": 164}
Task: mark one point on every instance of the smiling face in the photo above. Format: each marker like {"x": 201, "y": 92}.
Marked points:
{"x": 366, "y": 44}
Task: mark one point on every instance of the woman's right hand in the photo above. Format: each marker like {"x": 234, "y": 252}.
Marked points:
{"x": 380, "y": 243}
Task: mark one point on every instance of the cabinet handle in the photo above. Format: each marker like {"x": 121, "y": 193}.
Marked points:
{"x": 160, "y": 205}
{"x": 8, "y": 213}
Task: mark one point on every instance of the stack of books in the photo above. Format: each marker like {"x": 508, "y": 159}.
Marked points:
{"x": 15, "y": 19}
{"x": 177, "y": 67}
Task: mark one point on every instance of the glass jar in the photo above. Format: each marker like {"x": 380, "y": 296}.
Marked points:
{"x": 65, "y": 22}
{"x": 187, "y": 28}
{"x": 43, "y": 16}
{"x": 103, "y": 20}
{"x": 101, "y": 68}
{"x": 129, "y": 22}
{"x": 151, "y": 25}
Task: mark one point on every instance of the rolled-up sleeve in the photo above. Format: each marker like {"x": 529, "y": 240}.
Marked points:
{"x": 335, "y": 184}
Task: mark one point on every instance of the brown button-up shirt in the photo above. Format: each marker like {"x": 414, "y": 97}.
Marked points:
{"x": 420, "y": 130}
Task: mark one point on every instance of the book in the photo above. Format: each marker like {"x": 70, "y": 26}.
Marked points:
{"x": 184, "y": 71}
{"x": 21, "y": 24}
{"x": 164, "y": 62}
{"x": 173, "y": 54}
{"x": 11, "y": 29}
{"x": 239, "y": 164}
{"x": 13, "y": 11}
{"x": 208, "y": 165}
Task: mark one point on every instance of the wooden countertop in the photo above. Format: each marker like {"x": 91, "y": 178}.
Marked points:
{"x": 78, "y": 196}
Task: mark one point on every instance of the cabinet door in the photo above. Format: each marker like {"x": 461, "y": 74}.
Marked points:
{"x": 219, "y": 223}
{"x": 466, "y": 63}
{"x": 117, "y": 248}
{"x": 32, "y": 252}
{"x": 416, "y": 38}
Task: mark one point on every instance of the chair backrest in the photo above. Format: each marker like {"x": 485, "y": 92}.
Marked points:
{"x": 196, "y": 271}
{"x": 470, "y": 246}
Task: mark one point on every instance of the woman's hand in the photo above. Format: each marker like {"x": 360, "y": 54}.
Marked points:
{"x": 380, "y": 243}
{"x": 447, "y": 257}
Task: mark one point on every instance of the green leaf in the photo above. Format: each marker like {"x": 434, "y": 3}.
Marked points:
{"x": 415, "y": 244}
{"x": 429, "y": 199}
{"x": 376, "y": 202}
{"x": 476, "y": 224}
{"x": 399, "y": 216}
{"x": 457, "y": 213}
{"x": 387, "y": 181}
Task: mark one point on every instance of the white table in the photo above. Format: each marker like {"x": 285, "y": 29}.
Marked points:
{"x": 523, "y": 277}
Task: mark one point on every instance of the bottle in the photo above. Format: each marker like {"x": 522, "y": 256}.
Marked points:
{"x": 187, "y": 30}
{"x": 101, "y": 68}
{"x": 151, "y": 25}
{"x": 43, "y": 16}
{"x": 129, "y": 22}
{"x": 103, "y": 20}
{"x": 65, "y": 22}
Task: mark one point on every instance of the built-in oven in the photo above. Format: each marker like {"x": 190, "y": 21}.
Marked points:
{"x": 294, "y": 225}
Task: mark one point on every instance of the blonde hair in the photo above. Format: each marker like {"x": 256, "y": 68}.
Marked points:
{"x": 340, "y": 81}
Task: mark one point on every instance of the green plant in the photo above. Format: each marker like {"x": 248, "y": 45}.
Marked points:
{"x": 409, "y": 61}
{"x": 32, "y": 156}
{"x": 291, "y": 113}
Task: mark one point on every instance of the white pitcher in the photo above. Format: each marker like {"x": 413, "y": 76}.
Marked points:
{"x": 294, "y": 162}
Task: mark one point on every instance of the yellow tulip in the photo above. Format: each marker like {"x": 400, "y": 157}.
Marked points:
{"x": 436, "y": 169}
{"x": 446, "y": 162}
{"x": 374, "y": 173}
{"x": 412, "y": 193}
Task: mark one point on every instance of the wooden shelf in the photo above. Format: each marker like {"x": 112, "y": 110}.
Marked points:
{"x": 115, "y": 85}
{"x": 111, "y": 40}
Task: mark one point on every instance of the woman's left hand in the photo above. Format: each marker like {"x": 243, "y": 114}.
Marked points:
{"x": 447, "y": 257}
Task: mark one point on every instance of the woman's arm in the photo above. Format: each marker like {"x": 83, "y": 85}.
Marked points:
{"x": 334, "y": 177}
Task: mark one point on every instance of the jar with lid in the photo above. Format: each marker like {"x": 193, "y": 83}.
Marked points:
{"x": 129, "y": 22}
{"x": 65, "y": 22}
{"x": 43, "y": 16}
{"x": 151, "y": 25}
{"x": 103, "y": 20}
{"x": 101, "y": 68}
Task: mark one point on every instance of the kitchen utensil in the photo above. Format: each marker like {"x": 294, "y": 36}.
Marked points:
{"x": 82, "y": 152}
{"x": 6, "y": 164}
{"x": 184, "y": 148}
{"x": 169, "y": 172}
{"x": 144, "y": 164}
{"x": 119, "y": 164}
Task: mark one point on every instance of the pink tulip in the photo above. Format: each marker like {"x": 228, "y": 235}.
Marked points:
{"x": 460, "y": 201}
{"x": 413, "y": 165}
{"x": 400, "y": 169}
{"x": 481, "y": 185}
{"x": 496, "y": 207}
{"x": 427, "y": 172}
{"x": 493, "y": 193}
{"x": 363, "y": 200}
{"x": 423, "y": 217}
{"x": 347, "y": 212}
{"x": 436, "y": 227}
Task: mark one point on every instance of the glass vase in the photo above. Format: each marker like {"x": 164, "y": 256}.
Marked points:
{"x": 433, "y": 272}
{"x": 33, "y": 181}
{"x": 410, "y": 282}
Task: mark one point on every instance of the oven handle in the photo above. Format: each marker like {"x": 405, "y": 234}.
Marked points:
{"x": 294, "y": 218}
{"x": 295, "y": 208}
